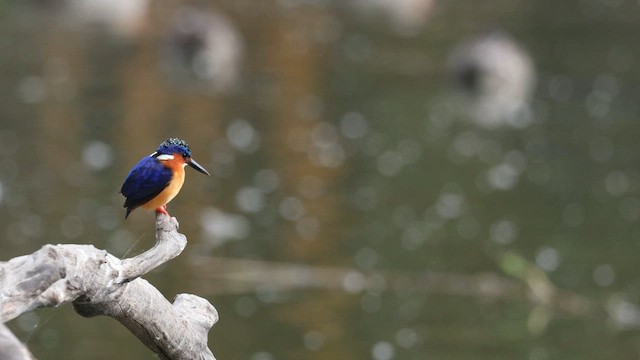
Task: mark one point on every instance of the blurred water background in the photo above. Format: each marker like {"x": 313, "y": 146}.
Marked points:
{"x": 414, "y": 179}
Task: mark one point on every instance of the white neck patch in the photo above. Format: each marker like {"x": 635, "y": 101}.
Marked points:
{"x": 165, "y": 157}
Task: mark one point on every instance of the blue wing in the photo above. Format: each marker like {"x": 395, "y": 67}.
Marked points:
{"x": 146, "y": 180}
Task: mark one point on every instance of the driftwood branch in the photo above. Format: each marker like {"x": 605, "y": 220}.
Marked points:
{"x": 11, "y": 348}
{"x": 98, "y": 283}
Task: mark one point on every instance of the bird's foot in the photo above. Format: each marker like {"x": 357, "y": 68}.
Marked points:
{"x": 163, "y": 210}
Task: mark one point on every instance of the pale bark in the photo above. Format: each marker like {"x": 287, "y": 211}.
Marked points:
{"x": 11, "y": 348}
{"x": 98, "y": 283}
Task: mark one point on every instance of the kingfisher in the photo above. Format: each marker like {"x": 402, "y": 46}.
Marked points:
{"x": 156, "y": 179}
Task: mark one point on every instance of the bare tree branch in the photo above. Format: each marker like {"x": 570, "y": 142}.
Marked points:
{"x": 239, "y": 276}
{"x": 98, "y": 283}
{"x": 11, "y": 348}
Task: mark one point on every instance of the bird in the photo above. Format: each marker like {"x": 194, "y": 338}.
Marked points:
{"x": 157, "y": 178}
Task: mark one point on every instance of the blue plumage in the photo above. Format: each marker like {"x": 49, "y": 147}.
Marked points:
{"x": 174, "y": 145}
{"x": 164, "y": 169}
{"x": 146, "y": 180}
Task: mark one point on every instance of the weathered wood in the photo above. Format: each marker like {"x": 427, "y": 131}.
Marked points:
{"x": 98, "y": 283}
{"x": 11, "y": 348}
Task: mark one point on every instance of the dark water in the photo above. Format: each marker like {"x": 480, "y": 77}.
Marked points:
{"x": 353, "y": 211}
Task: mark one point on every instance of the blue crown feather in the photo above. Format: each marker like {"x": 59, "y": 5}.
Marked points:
{"x": 174, "y": 145}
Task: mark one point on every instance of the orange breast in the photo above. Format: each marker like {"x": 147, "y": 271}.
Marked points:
{"x": 168, "y": 193}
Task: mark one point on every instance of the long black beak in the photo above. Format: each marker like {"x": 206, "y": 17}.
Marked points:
{"x": 194, "y": 164}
